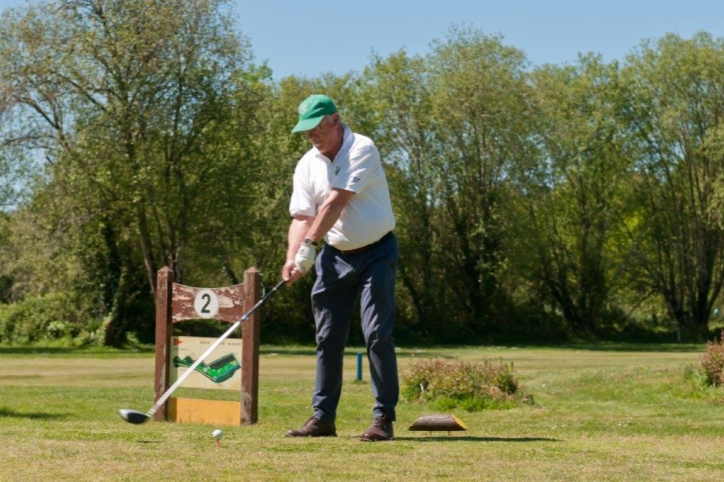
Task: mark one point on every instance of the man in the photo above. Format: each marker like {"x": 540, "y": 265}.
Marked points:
{"x": 340, "y": 196}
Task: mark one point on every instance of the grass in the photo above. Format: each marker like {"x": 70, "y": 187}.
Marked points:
{"x": 614, "y": 412}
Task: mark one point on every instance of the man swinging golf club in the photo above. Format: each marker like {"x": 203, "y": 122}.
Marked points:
{"x": 340, "y": 195}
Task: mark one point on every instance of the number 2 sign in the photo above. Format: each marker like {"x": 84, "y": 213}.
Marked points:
{"x": 206, "y": 304}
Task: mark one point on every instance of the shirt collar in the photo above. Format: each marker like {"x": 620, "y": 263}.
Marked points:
{"x": 347, "y": 140}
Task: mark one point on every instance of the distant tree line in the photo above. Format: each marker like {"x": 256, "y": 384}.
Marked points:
{"x": 534, "y": 203}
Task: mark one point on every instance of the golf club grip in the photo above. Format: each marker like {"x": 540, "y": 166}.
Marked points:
{"x": 210, "y": 349}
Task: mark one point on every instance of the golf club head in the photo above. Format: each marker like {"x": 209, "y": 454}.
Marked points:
{"x": 133, "y": 416}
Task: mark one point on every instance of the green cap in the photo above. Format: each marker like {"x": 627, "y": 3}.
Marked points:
{"x": 312, "y": 110}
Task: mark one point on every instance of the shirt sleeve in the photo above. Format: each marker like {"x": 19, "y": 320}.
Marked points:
{"x": 361, "y": 168}
{"x": 302, "y": 201}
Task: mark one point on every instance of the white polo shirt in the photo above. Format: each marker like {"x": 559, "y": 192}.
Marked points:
{"x": 357, "y": 167}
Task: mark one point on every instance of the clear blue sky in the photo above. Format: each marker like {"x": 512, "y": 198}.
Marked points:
{"x": 310, "y": 37}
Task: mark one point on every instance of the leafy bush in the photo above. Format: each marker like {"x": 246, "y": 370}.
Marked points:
{"x": 712, "y": 362}
{"x": 50, "y": 318}
{"x": 469, "y": 386}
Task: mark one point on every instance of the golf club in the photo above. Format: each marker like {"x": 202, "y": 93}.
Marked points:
{"x": 136, "y": 417}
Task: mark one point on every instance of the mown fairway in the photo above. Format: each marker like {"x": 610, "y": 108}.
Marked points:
{"x": 614, "y": 413}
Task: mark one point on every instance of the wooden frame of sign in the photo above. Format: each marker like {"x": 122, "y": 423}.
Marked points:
{"x": 176, "y": 302}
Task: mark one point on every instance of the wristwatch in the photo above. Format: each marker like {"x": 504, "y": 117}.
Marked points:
{"x": 309, "y": 242}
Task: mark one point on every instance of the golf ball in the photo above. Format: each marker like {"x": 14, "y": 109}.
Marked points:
{"x": 217, "y": 433}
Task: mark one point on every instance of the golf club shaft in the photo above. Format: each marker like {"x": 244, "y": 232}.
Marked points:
{"x": 208, "y": 351}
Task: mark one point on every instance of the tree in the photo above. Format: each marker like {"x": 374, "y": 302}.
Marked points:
{"x": 133, "y": 103}
{"x": 453, "y": 125}
{"x": 674, "y": 116}
{"x": 574, "y": 198}
{"x": 400, "y": 97}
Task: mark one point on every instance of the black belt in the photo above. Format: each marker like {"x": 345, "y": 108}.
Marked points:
{"x": 364, "y": 249}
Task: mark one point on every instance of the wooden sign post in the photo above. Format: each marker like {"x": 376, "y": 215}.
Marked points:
{"x": 176, "y": 302}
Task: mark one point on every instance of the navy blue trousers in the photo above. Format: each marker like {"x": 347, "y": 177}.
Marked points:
{"x": 341, "y": 280}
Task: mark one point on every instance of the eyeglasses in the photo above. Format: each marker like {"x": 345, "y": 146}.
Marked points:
{"x": 318, "y": 127}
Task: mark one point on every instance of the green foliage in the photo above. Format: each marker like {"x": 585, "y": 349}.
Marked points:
{"x": 452, "y": 126}
{"x": 535, "y": 204}
{"x": 569, "y": 220}
{"x": 147, "y": 136}
{"x": 471, "y": 386}
{"x": 53, "y": 318}
{"x": 671, "y": 118}
{"x": 712, "y": 362}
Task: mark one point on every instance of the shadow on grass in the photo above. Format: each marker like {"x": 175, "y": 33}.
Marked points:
{"x": 467, "y": 438}
{"x": 73, "y": 351}
{"x": 637, "y": 347}
{"x": 29, "y": 350}
{"x": 280, "y": 350}
{"x": 602, "y": 347}
{"x": 10, "y": 413}
{"x": 441, "y": 351}
{"x": 352, "y": 351}
{"x": 432, "y": 351}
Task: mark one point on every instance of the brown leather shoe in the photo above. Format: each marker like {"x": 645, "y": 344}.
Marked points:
{"x": 380, "y": 430}
{"x": 314, "y": 428}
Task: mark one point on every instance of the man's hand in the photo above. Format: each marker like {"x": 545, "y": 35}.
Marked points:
{"x": 290, "y": 273}
{"x": 305, "y": 257}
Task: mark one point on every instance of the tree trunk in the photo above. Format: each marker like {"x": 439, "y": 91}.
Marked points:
{"x": 115, "y": 328}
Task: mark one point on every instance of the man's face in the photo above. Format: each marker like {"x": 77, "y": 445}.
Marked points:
{"x": 324, "y": 136}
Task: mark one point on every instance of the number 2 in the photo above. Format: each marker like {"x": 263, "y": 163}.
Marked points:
{"x": 207, "y": 298}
